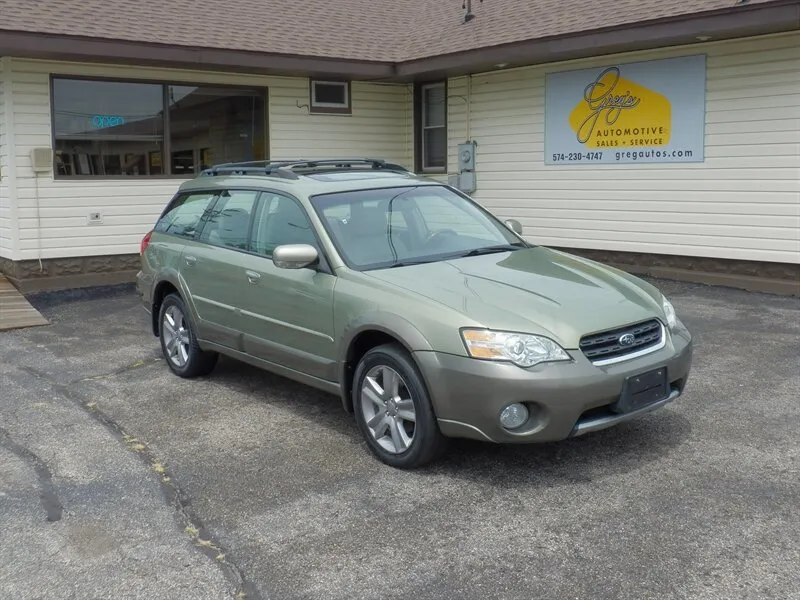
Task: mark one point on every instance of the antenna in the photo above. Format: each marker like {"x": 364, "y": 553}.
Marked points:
{"x": 467, "y": 5}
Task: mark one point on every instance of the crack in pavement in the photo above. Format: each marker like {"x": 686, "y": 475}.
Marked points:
{"x": 136, "y": 365}
{"x": 176, "y": 497}
{"x": 50, "y": 502}
{"x": 143, "y": 362}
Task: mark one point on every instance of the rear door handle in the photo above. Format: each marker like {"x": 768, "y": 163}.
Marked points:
{"x": 190, "y": 260}
{"x": 252, "y": 276}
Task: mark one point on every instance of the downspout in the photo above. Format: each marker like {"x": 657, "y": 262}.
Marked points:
{"x": 11, "y": 153}
{"x": 410, "y": 125}
{"x": 469, "y": 100}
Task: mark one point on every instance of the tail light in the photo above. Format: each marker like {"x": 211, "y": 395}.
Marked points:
{"x": 145, "y": 242}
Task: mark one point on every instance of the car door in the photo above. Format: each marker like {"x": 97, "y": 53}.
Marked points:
{"x": 211, "y": 266}
{"x": 288, "y": 312}
{"x": 179, "y": 225}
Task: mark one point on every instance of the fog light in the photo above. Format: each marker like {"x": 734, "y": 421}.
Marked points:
{"x": 514, "y": 416}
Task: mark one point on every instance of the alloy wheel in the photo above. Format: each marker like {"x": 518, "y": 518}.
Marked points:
{"x": 388, "y": 409}
{"x": 176, "y": 336}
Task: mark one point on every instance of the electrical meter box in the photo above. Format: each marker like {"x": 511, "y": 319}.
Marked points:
{"x": 464, "y": 181}
{"x": 467, "y": 182}
{"x": 41, "y": 160}
{"x": 466, "y": 156}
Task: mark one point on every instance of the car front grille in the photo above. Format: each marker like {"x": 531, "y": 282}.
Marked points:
{"x": 618, "y": 343}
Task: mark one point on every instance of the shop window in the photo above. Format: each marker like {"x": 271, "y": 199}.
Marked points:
{"x": 213, "y": 124}
{"x": 431, "y": 111}
{"x": 118, "y": 129}
{"x": 106, "y": 127}
{"x": 330, "y": 97}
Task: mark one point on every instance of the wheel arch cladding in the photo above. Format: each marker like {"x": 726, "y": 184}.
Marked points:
{"x": 163, "y": 289}
{"x": 366, "y": 337}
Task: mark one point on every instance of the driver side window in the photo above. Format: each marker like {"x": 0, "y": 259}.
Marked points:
{"x": 280, "y": 220}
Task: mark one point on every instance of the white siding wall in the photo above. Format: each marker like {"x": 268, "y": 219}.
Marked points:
{"x": 743, "y": 202}
{"x": 6, "y": 241}
{"x": 379, "y": 126}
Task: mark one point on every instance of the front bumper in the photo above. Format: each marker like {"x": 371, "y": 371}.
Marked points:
{"x": 564, "y": 399}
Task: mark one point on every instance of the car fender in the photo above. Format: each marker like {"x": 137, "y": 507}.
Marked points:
{"x": 172, "y": 276}
{"x": 389, "y": 323}
{"x": 403, "y": 330}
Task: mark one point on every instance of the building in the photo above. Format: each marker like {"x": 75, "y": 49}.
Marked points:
{"x": 658, "y": 135}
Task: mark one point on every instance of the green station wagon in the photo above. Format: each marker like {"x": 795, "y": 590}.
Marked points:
{"x": 429, "y": 317}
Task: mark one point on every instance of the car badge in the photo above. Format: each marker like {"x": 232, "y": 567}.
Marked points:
{"x": 627, "y": 339}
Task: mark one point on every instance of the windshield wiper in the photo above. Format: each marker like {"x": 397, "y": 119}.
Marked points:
{"x": 475, "y": 252}
{"x": 409, "y": 263}
{"x": 491, "y": 250}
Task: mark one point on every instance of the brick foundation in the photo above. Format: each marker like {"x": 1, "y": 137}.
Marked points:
{"x": 66, "y": 273}
{"x": 776, "y": 278}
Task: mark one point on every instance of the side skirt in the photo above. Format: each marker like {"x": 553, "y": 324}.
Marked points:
{"x": 319, "y": 384}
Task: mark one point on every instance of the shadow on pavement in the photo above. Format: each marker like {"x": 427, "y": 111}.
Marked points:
{"x": 620, "y": 449}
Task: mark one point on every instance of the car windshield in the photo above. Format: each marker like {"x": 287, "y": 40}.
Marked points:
{"x": 395, "y": 227}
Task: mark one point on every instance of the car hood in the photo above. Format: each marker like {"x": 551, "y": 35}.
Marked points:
{"x": 533, "y": 290}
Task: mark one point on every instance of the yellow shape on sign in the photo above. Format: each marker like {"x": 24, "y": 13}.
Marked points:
{"x": 619, "y": 113}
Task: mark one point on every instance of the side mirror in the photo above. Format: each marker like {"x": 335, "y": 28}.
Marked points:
{"x": 294, "y": 256}
{"x": 514, "y": 226}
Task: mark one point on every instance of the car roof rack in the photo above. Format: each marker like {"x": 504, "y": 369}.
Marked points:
{"x": 287, "y": 169}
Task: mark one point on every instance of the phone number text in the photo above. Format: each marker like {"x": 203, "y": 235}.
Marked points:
{"x": 573, "y": 156}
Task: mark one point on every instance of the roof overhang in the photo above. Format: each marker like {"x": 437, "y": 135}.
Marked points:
{"x": 97, "y": 50}
{"x": 734, "y": 22}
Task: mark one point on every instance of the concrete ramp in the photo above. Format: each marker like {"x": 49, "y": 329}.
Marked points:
{"x": 15, "y": 311}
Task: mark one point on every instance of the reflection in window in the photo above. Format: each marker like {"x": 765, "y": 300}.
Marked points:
{"x": 212, "y": 125}
{"x": 186, "y": 214}
{"x": 106, "y": 127}
{"x": 434, "y": 223}
{"x": 229, "y": 222}
{"x": 282, "y": 221}
{"x": 111, "y": 128}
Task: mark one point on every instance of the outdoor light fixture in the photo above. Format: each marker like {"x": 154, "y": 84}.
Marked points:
{"x": 467, "y": 5}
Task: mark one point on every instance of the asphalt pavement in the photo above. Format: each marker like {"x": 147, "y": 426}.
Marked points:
{"x": 119, "y": 480}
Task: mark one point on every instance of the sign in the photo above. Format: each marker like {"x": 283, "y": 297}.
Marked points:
{"x": 644, "y": 112}
{"x": 103, "y": 121}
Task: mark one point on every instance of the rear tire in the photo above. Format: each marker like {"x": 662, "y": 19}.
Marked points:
{"x": 393, "y": 409}
{"x": 179, "y": 342}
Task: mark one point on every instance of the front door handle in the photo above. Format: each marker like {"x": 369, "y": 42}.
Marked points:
{"x": 252, "y": 276}
{"x": 190, "y": 260}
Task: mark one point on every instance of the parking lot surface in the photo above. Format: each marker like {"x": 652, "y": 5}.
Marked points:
{"x": 120, "y": 480}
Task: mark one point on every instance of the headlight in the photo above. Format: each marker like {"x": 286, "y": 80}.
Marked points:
{"x": 522, "y": 349}
{"x": 669, "y": 312}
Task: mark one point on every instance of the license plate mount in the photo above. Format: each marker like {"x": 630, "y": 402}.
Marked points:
{"x": 641, "y": 390}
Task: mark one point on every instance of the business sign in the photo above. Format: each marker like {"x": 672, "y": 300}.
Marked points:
{"x": 103, "y": 121}
{"x": 644, "y": 112}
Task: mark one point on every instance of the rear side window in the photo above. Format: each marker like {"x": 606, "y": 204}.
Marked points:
{"x": 229, "y": 223}
{"x": 185, "y": 214}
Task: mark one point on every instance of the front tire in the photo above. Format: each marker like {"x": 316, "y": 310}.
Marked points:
{"x": 393, "y": 409}
{"x": 179, "y": 342}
